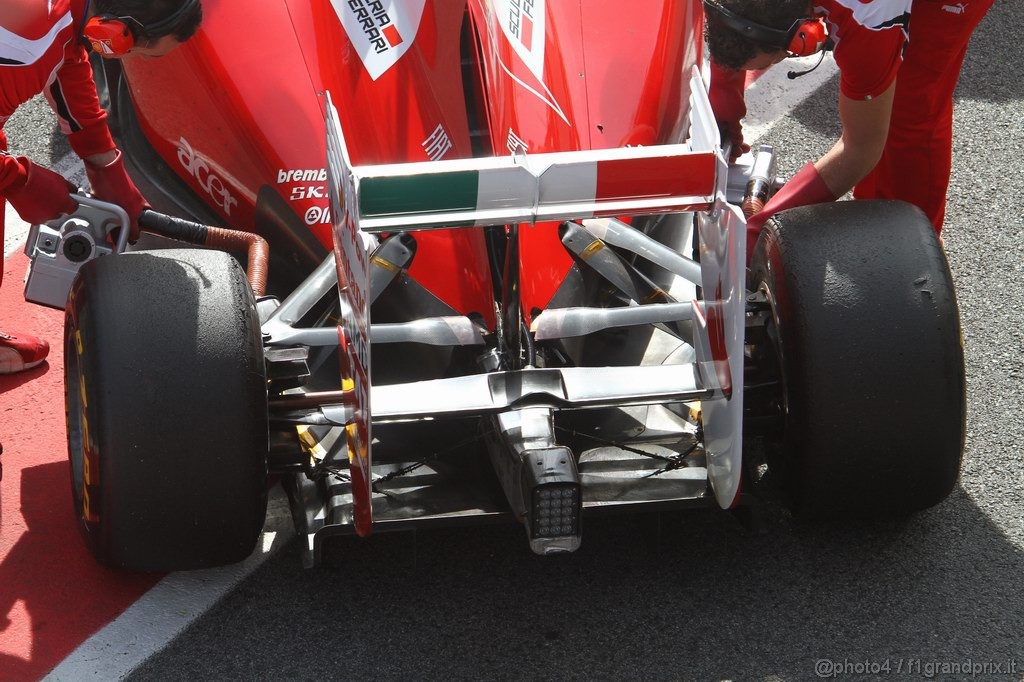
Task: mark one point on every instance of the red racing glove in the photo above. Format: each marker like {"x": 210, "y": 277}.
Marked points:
{"x": 805, "y": 188}
{"x": 42, "y": 195}
{"x": 726, "y": 95}
{"x": 111, "y": 183}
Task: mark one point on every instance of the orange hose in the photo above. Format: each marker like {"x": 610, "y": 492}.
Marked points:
{"x": 256, "y": 246}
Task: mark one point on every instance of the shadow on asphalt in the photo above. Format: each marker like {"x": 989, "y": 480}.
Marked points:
{"x": 984, "y": 77}
{"x": 691, "y": 591}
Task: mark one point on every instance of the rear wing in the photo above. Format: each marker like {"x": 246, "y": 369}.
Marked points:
{"x": 536, "y": 188}
{"x": 527, "y": 189}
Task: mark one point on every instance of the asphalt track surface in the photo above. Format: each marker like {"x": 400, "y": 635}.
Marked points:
{"x": 695, "y": 595}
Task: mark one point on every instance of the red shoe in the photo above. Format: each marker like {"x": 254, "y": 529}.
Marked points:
{"x": 18, "y": 353}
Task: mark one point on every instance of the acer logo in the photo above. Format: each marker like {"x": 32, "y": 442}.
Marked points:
{"x": 199, "y": 169}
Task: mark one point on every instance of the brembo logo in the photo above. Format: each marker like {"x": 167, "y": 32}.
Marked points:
{"x": 302, "y": 175}
{"x": 199, "y": 169}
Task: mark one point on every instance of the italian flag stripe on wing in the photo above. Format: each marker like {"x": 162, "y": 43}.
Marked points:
{"x": 442, "y": 192}
{"x": 538, "y": 187}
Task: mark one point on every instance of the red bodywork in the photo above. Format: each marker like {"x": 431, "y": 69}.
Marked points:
{"x": 548, "y": 75}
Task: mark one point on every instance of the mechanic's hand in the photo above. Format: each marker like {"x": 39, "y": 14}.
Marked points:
{"x": 726, "y": 95}
{"x": 43, "y": 196}
{"x": 110, "y": 182}
{"x": 805, "y": 188}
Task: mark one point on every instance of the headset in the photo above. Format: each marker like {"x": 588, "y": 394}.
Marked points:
{"x": 805, "y": 37}
{"x": 115, "y": 36}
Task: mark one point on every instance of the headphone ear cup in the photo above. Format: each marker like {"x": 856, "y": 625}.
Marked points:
{"x": 109, "y": 36}
{"x": 810, "y": 38}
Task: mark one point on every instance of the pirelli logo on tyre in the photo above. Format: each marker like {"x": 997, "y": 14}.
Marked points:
{"x": 85, "y": 460}
{"x": 381, "y": 31}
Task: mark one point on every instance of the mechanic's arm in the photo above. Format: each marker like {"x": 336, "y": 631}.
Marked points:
{"x": 77, "y": 105}
{"x": 729, "y": 106}
{"x": 865, "y": 129}
{"x": 36, "y": 193}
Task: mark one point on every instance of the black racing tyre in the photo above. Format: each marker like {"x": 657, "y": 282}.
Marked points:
{"x": 167, "y": 410}
{"x": 868, "y": 341}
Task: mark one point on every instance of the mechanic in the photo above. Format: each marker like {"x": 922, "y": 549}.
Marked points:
{"x": 43, "y": 50}
{"x": 897, "y": 137}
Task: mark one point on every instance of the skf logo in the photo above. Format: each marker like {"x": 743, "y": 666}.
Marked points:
{"x": 381, "y": 31}
{"x": 199, "y": 169}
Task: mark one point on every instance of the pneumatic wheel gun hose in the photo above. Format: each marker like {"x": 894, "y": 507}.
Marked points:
{"x": 215, "y": 237}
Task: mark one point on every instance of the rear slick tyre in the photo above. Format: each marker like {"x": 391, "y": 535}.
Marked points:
{"x": 868, "y": 341}
{"x": 167, "y": 410}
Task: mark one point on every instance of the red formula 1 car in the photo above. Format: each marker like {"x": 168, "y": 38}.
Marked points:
{"x": 507, "y": 281}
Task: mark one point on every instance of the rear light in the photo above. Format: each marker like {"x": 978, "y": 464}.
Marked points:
{"x": 556, "y": 511}
{"x": 555, "y": 499}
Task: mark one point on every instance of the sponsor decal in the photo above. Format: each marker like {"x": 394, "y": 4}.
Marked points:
{"x": 958, "y": 8}
{"x": 90, "y": 483}
{"x": 522, "y": 21}
{"x": 199, "y": 168}
{"x": 303, "y": 175}
{"x": 318, "y": 215}
{"x": 437, "y": 144}
{"x": 304, "y": 192}
{"x": 301, "y": 192}
{"x": 523, "y": 24}
{"x": 380, "y": 30}
{"x": 515, "y": 144}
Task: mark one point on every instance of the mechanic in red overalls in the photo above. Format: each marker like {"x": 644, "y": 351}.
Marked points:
{"x": 899, "y": 61}
{"x": 42, "y": 50}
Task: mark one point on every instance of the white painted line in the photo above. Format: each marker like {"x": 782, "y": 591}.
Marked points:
{"x": 173, "y": 604}
{"x": 773, "y": 96}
